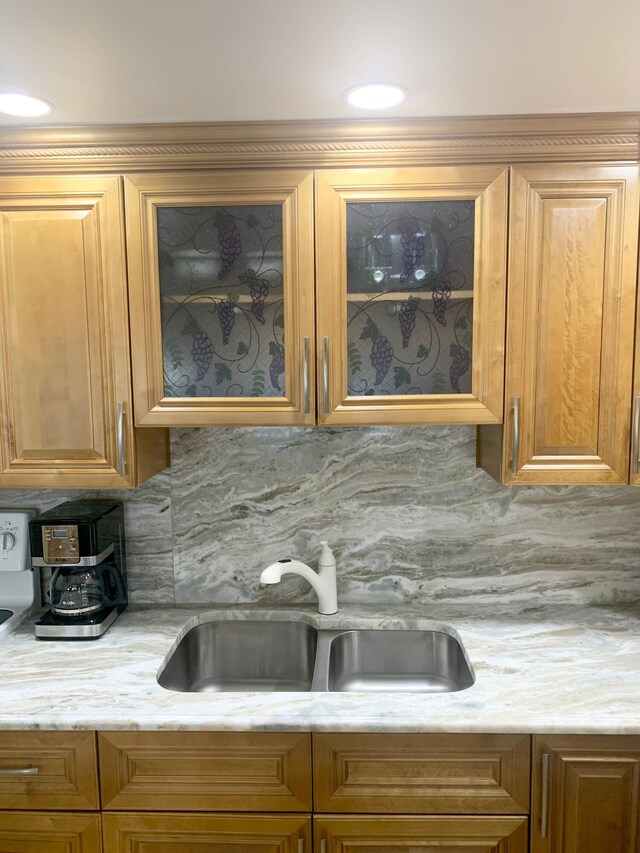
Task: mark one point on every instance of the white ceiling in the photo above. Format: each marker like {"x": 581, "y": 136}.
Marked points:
{"x": 221, "y": 60}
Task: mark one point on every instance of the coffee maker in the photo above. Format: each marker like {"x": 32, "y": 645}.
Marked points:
{"x": 83, "y": 544}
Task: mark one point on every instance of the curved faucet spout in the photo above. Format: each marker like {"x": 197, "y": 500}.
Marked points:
{"x": 323, "y": 581}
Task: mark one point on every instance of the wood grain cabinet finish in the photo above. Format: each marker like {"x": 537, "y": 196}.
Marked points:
{"x": 570, "y": 327}
{"x": 592, "y": 794}
{"x": 171, "y": 833}
{"x": 67, "y": 770}
{"x": 42, "y": 832}
{"x": 336, "y": 834}
{"x": 422, "y": 773}
{"x": 486, "y": 187}
{"x": 202, "y": 771}
{"x": 65, "y": 373}
{"x": 146, "y": 195}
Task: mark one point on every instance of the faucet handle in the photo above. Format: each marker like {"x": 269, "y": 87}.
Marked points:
{"x": 327, "y": 557}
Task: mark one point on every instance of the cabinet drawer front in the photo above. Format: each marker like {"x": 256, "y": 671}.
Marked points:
{"x": 203, "y": 771}
{"x": 42, "y": 832}
{"x": 174, "y": 833}
{"x": 67, "y": 766}
{"x": 422, "y": 774}
{"x": 335, "y": 834}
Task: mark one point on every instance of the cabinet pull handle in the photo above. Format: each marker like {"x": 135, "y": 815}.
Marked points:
{"x": 544, "y": 811}
{"x": 635, "y": 441}
{"x": 301, "y": 845}
{"x": 325, "y": 374}
{"x": 516, "y": 435}
{"x": 22, "y": 771}
{"x": 323, "y": 845}
{"x": 305, "y": 375}
{"x": 122, "y": 464}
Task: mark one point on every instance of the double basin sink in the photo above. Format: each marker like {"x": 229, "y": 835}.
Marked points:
{"x": 293, "y": 656}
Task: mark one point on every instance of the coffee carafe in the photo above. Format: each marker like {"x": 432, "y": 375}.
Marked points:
{"x": 83, "y": 543}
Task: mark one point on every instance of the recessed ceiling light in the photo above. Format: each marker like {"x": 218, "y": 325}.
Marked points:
{"x": 376, "y": 96}
{"x": 14, "y": 104}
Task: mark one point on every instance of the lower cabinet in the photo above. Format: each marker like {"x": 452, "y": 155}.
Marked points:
{"x": 338, "y": 834}
{"x": 49, "y": 832}
{"x": 586, "y": 794}
{"x": 206, "y": 833}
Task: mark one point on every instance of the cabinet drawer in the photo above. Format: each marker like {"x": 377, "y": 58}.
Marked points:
{"x": 204, "y": 771}
{"x": 422, "y": 774}
{"x": 67, "y": 770}
{"x": 43, "y": 832}
{"x": 182, "y": 833}
{"x": 335, "y": 834}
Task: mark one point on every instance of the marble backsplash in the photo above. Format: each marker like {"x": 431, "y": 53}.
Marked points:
{"x": 408, "y": 515}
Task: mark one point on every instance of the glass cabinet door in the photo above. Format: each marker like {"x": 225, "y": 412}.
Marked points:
{"x": 221, "y": 292}
{"x": 411, "y": 295}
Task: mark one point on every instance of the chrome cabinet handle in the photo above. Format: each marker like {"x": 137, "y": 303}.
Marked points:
{"x": 305, "y": 376}
{"x": 516, "y": 435}
{"x": 325, "y": 375}
{"x": 635, "y": 440}
{"x": 22, "y": 771}
{"x": 544, "y": 811}
{"x": 301, "y": 845}
{"x": 323, "y": 845}
{"x": 122, "y": 465}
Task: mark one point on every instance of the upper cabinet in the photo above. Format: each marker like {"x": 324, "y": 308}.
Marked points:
{"x": 570, "y": 328}
{"x": 222, "y": 297}
{"x": 411, "y": 284}
{"x": 66, "y": 412}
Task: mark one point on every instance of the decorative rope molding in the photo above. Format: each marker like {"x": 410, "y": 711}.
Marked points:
{"x": 584, "y": 137}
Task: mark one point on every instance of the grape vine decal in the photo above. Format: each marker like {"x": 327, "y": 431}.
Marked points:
{"x": 409, "y": 297}
{"x": 222, "y": 301}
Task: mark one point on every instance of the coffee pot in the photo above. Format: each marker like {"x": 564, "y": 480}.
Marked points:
{"x": 79, "y": 591}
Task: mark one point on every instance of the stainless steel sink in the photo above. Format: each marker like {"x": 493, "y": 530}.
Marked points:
{"x": 291, "y": 656}
{"x": 242, "y": 656}
{"x": 404, "y": 661}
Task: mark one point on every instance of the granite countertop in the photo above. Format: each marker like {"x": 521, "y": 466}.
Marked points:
{"x": 537, "y": 670}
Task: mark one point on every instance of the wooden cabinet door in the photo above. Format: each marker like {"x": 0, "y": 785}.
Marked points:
{"x": 411, "y": 281}
{"x": 221, "y": 297}
{"x": 66, "y": 418}
{"x": 42, "y": 832}
{"x": 336, "y": 834}
{"x": 570, "y": 327}
{"x": 586, "y": 794}
{"x": 173, "y": 833}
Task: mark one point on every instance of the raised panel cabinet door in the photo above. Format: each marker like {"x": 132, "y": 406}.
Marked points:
{"x": 48, "y": 770}
{"x": 570, "y": 327}
{"x": 422, "y": 773}
{"x": 42, "y": 832}
{"x": 586, "y": 794}
{"x": 337, "y": 834}
{"x": 173, "y": 833}
{"x": 221, "y": 288}
{"x": 206, "y": 771}
{"x": 411, "y": 284}
{"x": 66, "y": 416}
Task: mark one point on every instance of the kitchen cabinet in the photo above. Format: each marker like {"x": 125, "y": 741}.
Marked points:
{"x": 338, "y": 834}
{"x": 55, "y": 832}
{"x": 586, "y": 794}
{"x": 570, "y": 328}
{"x": 65, "y": 374}
{"x": 222, "y": 297}
{"x": 411, "y": 285}
{"x": 410, "y": 296}
{"x": 184, "y": 833}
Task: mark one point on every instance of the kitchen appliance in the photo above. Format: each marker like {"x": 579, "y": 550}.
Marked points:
{"x": 19, "y": 584}
{"x": 83, "y": 544}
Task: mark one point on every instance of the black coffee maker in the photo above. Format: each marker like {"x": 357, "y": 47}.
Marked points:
{"x": 83, "y": 544}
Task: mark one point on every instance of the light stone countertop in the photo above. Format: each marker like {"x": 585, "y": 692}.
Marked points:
{"x": 537, "y": 670}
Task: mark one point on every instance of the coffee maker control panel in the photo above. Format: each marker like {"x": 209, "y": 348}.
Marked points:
{"x": 14, "y": 540}
{"x": 60, "y": 544}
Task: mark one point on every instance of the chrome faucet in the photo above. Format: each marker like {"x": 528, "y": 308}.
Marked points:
{"x": 323, "y": 581}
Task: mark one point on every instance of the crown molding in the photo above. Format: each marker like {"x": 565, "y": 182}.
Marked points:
{"x": 584, "y": 137}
